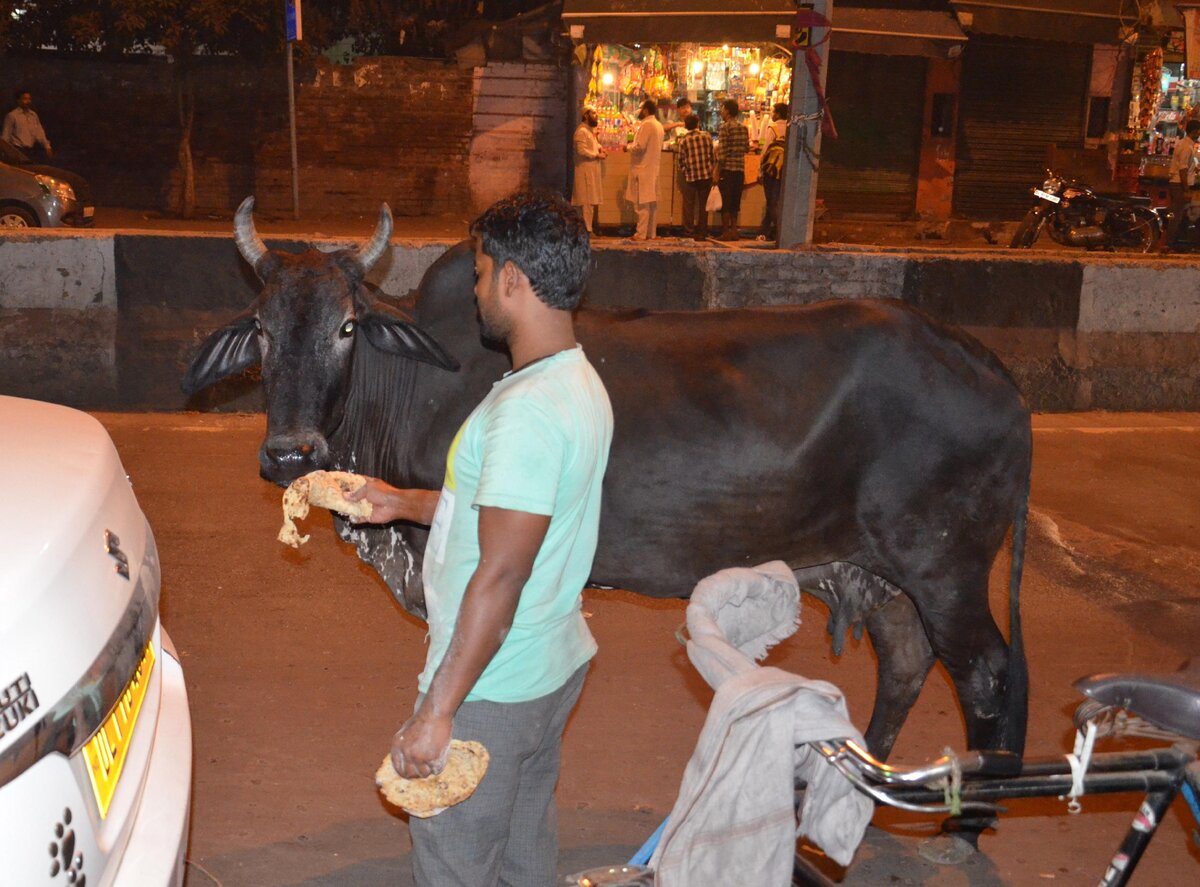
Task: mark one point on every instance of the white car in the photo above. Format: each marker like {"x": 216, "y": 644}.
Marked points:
{"x": 95, "y": 733}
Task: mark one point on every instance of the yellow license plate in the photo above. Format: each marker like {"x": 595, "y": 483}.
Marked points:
{"x": 105, "y": 752}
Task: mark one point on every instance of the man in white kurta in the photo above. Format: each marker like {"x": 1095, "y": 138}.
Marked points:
{"x": 588, "y": 154}
{"x": 642, "y": 190}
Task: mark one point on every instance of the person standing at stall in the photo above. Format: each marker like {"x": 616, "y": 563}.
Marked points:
{"x": 587, "y": 193}
{"x": 642, "y": 190}
{"x": 771, "y": 169}
{"x": 732, "y": 147}
{"x": 1183, "y": 164}
{"x": 696, "y": 163}
{"x": 683, "y": 107}
{"x": 677, "y": 130}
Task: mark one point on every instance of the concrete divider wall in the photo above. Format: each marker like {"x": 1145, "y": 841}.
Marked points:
{"x": 108, "y": 321}
{"x": 58, "y": 317}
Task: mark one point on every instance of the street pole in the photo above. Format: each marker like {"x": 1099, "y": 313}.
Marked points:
{"x": 295, "y": 31}
{"x": 799, "y": 188}
{"x": 292, "y": 128}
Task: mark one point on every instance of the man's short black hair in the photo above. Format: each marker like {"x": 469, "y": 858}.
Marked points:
{"x": 781, "y": 110}
{"x": 651, "y": 106}
{"x": 731, "y": 107}
{"x": 691, "y": 121}
{"x": 545, "y": 237}
{"x": 20, "y": 92}
{"x": 679, "y": 103}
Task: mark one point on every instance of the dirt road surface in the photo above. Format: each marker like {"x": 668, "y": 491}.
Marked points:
{"x": 299, "y": 666}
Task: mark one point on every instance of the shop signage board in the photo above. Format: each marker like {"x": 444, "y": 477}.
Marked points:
{"x": 292, "y": 20}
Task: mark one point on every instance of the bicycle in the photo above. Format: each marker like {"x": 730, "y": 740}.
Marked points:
{"x": 971, "y": 784}
{"x": 1154, "y": 706}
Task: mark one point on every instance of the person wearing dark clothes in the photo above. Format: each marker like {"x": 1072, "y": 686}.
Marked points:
{"x": 696, "y": 162}
{"x": 732, "y": 147}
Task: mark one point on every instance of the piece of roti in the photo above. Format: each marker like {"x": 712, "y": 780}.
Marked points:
{"x": 466, "y": 762}
{"x": 325, "y": 489}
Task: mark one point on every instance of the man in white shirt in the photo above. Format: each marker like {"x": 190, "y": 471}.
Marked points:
{"x": 642, "y": 190}
{"x": 23, "y": 129}
{"x": 1183, "y": 162}
{"x": 587, "y": 193}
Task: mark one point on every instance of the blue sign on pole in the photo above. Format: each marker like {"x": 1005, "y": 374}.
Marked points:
{"x": 291, "y": 14}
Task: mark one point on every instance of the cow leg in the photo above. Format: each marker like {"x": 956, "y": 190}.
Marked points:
{"x": 903, "y": 659}
{"x": 967, "y": 641}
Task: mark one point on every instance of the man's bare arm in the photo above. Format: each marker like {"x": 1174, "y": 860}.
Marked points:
{"x": 508, "y": 544}
{"x": 390, "y": 503}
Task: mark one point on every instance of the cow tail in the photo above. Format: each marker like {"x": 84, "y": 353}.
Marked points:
{"x": 1018, "y": 669}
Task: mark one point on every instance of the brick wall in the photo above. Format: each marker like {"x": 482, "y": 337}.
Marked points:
{"x": 384, "y": 128}
{"x": 520, "y": 130}
{"x": 394, "y": 129}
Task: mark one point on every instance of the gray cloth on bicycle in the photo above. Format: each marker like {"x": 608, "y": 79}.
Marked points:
{"x": 734, "y": 819}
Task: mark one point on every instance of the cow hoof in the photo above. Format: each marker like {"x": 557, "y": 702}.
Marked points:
{"x": 946, "y": 850}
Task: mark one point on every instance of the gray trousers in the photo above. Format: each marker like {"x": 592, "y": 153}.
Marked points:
{"x": 506, "y": 833}
{"x": 647, "y": 222}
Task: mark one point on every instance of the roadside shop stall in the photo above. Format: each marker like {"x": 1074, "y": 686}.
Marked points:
{"x": 1163, "y": 97}
{"x": 892, "y": 84}
{"x": 704, "y": 50}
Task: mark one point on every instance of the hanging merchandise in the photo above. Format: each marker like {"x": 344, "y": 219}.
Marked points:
{"x": 714, "y": 76}
{"x": 622, "y": 76}
{"x": 1151, "y": 91}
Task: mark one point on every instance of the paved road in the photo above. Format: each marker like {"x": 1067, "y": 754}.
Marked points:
{"x": 300, "y": 666}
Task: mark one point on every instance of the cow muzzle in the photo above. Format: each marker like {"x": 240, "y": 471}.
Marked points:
{"x": 285, "y": 457}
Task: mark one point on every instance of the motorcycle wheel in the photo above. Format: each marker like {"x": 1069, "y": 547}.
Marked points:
{"x": 1027, "y": 232}
{"x": 1143, "y": 232}
{"x": 1148, "y": 232}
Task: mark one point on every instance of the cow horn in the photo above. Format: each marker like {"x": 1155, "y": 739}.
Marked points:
{"x": 249, "y": 244}
{"x": 378, "y": 244}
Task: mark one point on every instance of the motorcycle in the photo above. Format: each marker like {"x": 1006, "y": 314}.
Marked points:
{"x": 1075, "y": 215}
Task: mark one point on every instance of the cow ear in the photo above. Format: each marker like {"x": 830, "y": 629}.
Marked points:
{"x": 397, "y": 336}
{"x": 225, "y": 353}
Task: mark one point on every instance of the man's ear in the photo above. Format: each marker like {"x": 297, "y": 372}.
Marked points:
{"x": 514, "y": 277}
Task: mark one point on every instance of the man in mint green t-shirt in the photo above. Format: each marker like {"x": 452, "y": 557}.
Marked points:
{"x": 511, "y": 542}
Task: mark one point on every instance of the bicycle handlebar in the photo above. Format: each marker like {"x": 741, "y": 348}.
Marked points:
{"x": 972, "y": 763}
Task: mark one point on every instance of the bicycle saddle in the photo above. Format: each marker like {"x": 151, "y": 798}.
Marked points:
{"x": 1169, "y": 701}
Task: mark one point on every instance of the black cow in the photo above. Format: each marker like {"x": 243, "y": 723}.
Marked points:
{"x": 872, "y": 449}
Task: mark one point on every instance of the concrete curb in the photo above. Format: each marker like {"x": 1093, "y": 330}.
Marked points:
{"x": 110, "y": 320}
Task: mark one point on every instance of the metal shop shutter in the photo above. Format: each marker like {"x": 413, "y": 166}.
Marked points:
{"x": 1019, "y": 97}
{"x": 877, "y": 103}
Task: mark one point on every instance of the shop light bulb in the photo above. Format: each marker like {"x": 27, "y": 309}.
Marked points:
{"x": 697, "y": 67}
{"x": 725, "y": 48}
{"x": 607, "y": 78}
{"x": 754, "y": 69}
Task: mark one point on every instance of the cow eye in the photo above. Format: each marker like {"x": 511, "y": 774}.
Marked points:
{"x": 347, "y": 328}
{"x": 257, "y": 326}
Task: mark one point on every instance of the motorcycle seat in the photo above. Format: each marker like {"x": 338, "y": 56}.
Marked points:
{"x": 1170, "y": 701}
{"x": 1126, "y": 199}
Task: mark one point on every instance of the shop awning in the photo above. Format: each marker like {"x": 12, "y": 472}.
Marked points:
{"x": 875, "y": 31}
{"x": 896, "y": 32}
{"x": 679, "y": 21}
{"x": 1064, "y": 21}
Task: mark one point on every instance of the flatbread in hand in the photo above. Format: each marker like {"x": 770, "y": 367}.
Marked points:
{"x": 325, "y": 489}
{"x": 466, "y": 762}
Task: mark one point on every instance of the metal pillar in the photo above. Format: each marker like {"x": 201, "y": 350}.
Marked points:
{"x": 798, "y": 196}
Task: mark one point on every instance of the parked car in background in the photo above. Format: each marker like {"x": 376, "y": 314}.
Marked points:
{"x": 34, "y": 195}
{"x": 95, "y": 733}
